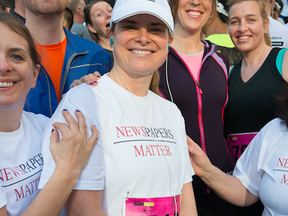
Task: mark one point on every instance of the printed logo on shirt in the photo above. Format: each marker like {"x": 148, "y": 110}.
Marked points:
{"x": 282, "y": 166}
{"x": 139, "y": 134}
{"x": 22, "y": 180}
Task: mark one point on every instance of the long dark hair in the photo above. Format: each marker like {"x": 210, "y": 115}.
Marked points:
{"x": 282, "y": 110}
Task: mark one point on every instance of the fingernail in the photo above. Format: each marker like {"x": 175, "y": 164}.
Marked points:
{"x": 64, "y": 110}
{"x": 90, "y": 83}
{"x": 94, "y": 126}
{"x": 98, "y": 76}
{"x": 94, "y": 81}
{"x": 78, "y": 111}
{"x": 71, "y": 86}
{"x": 52, "y": 130}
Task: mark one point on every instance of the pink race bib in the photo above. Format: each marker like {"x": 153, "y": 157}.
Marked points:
{"x": 159, "y": 206}
{"x": 239, "y": 142}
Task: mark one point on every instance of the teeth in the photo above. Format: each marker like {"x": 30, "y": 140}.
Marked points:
{"x": 194, "y": 13}
{"x": 143, "y": 52}
{"x": 243, "y": 37}
{"x": 6, "y": 84}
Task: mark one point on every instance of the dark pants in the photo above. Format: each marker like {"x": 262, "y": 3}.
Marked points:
{"x": 212, "y": 205}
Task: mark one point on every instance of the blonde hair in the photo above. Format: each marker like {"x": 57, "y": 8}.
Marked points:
{"x": 263, "y": 12}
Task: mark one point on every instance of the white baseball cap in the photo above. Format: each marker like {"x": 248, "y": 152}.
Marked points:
{"x": 158, "y": 8}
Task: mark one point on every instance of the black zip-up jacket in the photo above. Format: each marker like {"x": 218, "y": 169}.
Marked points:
{"x": 202, "y": 103}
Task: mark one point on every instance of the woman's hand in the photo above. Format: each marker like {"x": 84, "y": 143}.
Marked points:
{"x": 73, "y": 151}
{"x": 199, "y": 160}
{"x": 90, "y": 79}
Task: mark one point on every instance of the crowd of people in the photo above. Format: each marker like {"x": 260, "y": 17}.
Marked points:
{"x": 137, "y": 107}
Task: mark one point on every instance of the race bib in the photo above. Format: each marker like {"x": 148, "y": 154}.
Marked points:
{"x": 159, "y": 206}
{"x": 239, "y": 142}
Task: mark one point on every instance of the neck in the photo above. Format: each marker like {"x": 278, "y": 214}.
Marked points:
{"x": 78, "y": 19}
{"x": 137, "y": 86}
{"x": 19, "y": 9}
{"x": 216, "y": 27}
{"x": 10, "y": 118}
{"x": 46, "y": 29}
{"x": 105, "y": 43}
{"x": 186, "y": 42}
{"x": 256, "y": 56}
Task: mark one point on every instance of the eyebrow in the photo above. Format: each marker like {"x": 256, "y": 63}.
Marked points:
{"x": 248, "y": 15}
{"x": 17, "y": 49}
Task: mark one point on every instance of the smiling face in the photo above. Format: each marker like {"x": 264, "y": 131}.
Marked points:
{"x": 191, "y": 16}
{"x": 246, "y": 26}
{"x": 140, "y": 45}
{"x": 100, "y": 14}
{"x": 17, "y": 72}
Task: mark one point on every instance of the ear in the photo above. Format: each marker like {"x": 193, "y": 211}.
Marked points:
{"x": 35, "y": 75}
{"x": 91, "y": 29}
{"x": 266, "y": 25}
{"x": 79, "y": 11}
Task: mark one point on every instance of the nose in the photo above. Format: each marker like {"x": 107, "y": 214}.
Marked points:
{"x": 108, "y": 15}
{"x": 195, "y": 2}
{"x": 242, "y": 26}
{"x": 4, "y": 65}
{"x": 143, "y": 36}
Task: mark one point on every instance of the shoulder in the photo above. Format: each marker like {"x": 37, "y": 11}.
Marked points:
{"x": 38, "y": 121}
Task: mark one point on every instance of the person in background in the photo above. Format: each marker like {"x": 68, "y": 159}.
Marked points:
{"x": 140, "y": 33}
{"x": 195, "y": 78}
{"x": 77, "y": 8}
{"x": 4, "y": 6}
{"x": 21, "y": 133}
{"x": 216, "y": 31}
{"x": 65, "y": 56}
{"x": 254, "y": 81}
{"x": 277, "y": 11}
{"x": 97, "y": 18}
{"x": 19, "y": 10}
{"x": 68, "y": 19}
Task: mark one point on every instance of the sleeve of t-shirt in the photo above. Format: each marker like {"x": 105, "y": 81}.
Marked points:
{"x": 79, "y": 98}
{"x": 249, "y": 167}
{"x": 3, "y": 199}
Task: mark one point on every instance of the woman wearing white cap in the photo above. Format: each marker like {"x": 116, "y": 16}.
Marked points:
{"x": 140, "y": 164}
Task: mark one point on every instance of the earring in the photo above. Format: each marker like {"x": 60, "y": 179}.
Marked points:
{"x": 111, "y": 41}
{"x": 168, "y": 47}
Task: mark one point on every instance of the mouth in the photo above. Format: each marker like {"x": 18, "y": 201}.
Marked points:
{"x": 6, "y": 84}
{"x": 243, "y": 37}
{"x": 194, "y": 13}
{"x": 141, "y": 52}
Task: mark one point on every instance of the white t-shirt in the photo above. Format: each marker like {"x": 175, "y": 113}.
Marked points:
{"x": 127, "y": 159}
{"x": 278, "y": 33}
{"x": 263, "y": 168}
{"x": 21, "y": 162}
{"x": 3, "y": 198}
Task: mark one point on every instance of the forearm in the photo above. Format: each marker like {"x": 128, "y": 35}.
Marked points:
{"x": 228, "y": 187}
{"x": 52, "y": 198}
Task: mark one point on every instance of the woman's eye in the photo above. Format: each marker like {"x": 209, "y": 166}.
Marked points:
{"x": 110, "y": 11}
{"x": 233, "y": 22}
{"x": 16, "y": 57}
{"x": 100, "y": 14}
{"x": 251, "y": 20}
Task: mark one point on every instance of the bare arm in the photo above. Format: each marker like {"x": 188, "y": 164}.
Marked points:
{"x": 70, "y": 155}
{"x": 3, "y": 211}
{"x": 226, "y": 186}
{"x": 188, "y": 206}
{"x": 86, "y": 203}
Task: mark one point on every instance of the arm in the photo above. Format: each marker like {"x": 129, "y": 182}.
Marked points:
{"x": 86, "y": 203}
{"x": 3, "y": 211}
{"x": 226, "y": 186}
{"x": 71, "y": 155}
{"x": 285, "y": 66}
{"x": 188, "y": 206}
